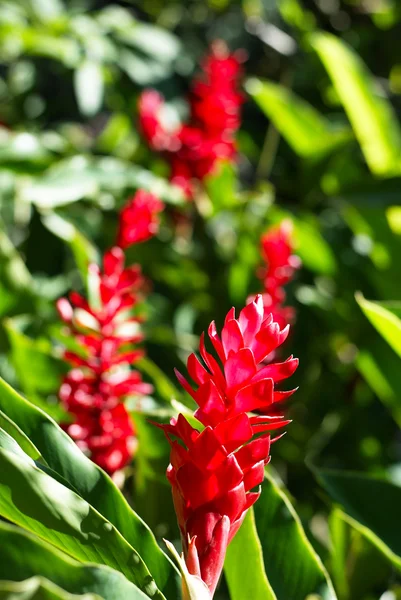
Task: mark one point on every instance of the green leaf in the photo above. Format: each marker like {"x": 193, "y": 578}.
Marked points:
{"x": 339, "y": 537}
{"x": 372, "y": 505}
{"x": 243, "y": 566}
{"x": 38, "y": 370}
{"x": 34, "y": 500}
{"x": 12, "y": 267}
{"x": 371, "y": 115}
{"x": 81, "y": 177}
{"x": 304, "y": 128}
{"x": 384, "y": 318}
{"x": 25, "y": 555}
{"x": 165, "y": 389}
{"x": 221, "y": 186}
{"x": 38, "y": 588}
{"x": 315, "y": 253}
{"x": 154, "y": 41}
{"x": 293, "y": 568}
{"x": 380, "y": 367}
{"x": 46, "y": 10}
{"x": 141, "y": 69}
{"x": 21, "y": 147}
{"x": 89, "y": 88}
{"x": 83, "y": 250}
{"x": 15, "y": 432}
{"x": 91, "y": 482}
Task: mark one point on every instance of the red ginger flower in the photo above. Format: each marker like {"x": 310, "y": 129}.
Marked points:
{"x": 213, "y": 472}
{"x": 108, "y": 436}
{"x": 101, "y": 378}
{"x": 139, "y": 219}
{"x": 192, "y": 149}
{"x": 281, "y": 264}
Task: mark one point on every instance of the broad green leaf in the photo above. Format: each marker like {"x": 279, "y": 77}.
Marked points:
{"x": 339, "y": 538}
{"x": 25, "y": 556}
{"x": 38, "y": 370}
{"x": 15, "y": 432}
{"x": 315, "y": 253}
{"x": 16, "y": 283}
{"x": 83, "y": 250}
{"x": 91, "y": 482}
{"x": 142, "y": 70}
{"x": 371, "y": 503}
{"x": 34, "y": 500}
{"x": 243, "y": 567}
{"x": 312, "y": 248}
{"x": 304, "y": 128}
{"x": 154, "y": 41}
{"x": 357, "y": 565}
{"x": 371, "y": 115}
{"x": 89, "y": 88}
{"x": 38, "y": 588}
{"x": 384, "y": 320}
{"x": 22, "y": 147}
{"x": 293, "y": 568}
{"x": 12, "y": 267}
{"x": 118, "y": 136}
{"x": 221, "y": 186}
{"x": 165, "y": 389}
{"x": 380, "y": 367}
{"x": 47, "y": 10}
{"x": 81, "y": 177}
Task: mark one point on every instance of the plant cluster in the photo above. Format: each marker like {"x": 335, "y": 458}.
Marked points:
{"x": 201, "y": 188}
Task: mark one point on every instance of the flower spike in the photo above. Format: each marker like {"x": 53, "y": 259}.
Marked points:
{"x": 216, "y": 473}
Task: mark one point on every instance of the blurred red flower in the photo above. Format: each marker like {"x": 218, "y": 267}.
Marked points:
{"x": 277, "y": 248}
{"x": 105, "y": 331}
{"x": 139, "y": 219}
{"x": 192, "y": 149}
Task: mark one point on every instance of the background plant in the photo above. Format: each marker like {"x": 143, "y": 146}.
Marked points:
{"x": 319, "y": 143}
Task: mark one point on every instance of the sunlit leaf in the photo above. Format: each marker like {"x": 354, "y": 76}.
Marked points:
{"x": 282, "y": 536}
{"x": 89, "y": 89}
{"x": 38, "y": 587}
{"x": 38, "y": 370}
{"x": 377, "y": 520}
{"x": 25, "y": 556}
{"x": 91, "y": 482}
{"x": 34, "y": 500}
{"x": 384, "y": 319}
{"x": 244, "y": 568}
{"x": 304, "y": 128}
{"x": 371, "y": 114}
{"x": 83, "y": 250}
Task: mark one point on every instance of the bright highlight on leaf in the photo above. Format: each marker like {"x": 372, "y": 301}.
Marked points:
{"x": 309, "y": 133}
{"x": 371, "y": 115}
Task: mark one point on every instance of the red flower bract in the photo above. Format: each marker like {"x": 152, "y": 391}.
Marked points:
{"x": 108, "y": 436}
{"x": 101, "y": 377}
{"x": 192, "y": 149}
{"x": 139, "y": 219}
{"x": 213, "y": 472}
{"x": 281, "y": 264}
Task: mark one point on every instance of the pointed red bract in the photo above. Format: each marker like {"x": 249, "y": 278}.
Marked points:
{"x": 280, "y": 265}
{"x": 192, "y": 149}
{"x": 139, "y": 219}
{"x": 215, "y": 473}
{"x": 94, "y": 389}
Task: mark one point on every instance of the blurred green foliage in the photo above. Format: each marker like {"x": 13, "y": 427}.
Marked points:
{"x": 320, "y": 143}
